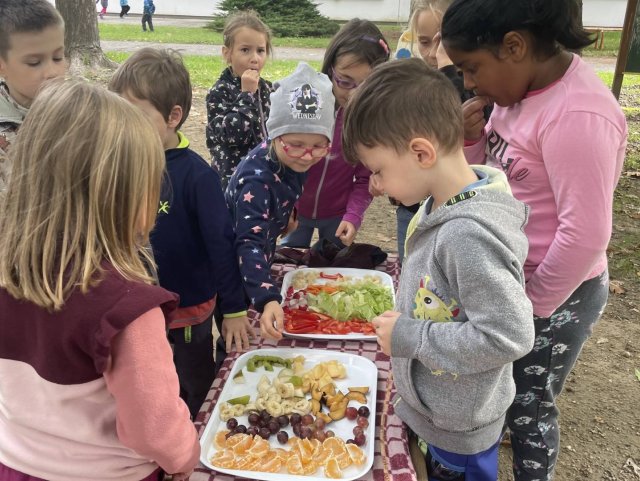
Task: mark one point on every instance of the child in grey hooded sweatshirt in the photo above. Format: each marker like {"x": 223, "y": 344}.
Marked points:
{"x": 463, "y": 315}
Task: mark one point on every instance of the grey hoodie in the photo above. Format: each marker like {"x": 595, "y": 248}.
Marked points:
{"x": 465, "y": 317}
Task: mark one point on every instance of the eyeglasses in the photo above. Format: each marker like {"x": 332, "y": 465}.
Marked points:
{"x": 343, "y": 83}
{"x": 299, "y": 152}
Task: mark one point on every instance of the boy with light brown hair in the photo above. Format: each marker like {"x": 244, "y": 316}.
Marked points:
{"x": 31, "y": 52}
{"x": 193, "y": 240}
{"x": 462, "y": 316}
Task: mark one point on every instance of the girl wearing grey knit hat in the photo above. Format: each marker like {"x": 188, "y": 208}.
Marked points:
{"x": 267, "y": 183}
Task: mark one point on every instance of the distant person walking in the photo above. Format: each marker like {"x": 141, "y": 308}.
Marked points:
{"x": 147, "y": 15}
{"x": 105, "y": 4}
{"x": 124, "y": 8}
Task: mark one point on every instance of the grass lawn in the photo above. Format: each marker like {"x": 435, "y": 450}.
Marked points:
{"x": 192, "y": 35}
{"x": 205, "y": 70}
{"x": 205, "y": 36}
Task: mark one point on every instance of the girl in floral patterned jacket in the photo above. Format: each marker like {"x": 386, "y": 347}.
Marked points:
{"x": 238, "y": 104}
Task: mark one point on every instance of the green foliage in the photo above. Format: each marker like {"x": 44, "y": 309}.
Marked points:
{"x": 287, "y": 18}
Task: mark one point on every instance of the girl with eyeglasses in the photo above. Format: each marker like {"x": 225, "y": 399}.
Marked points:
{"x": 268, "y": 182}
{"x": 336, "y": 194}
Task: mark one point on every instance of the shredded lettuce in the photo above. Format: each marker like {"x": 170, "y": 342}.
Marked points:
{"x": 360, "y": 299}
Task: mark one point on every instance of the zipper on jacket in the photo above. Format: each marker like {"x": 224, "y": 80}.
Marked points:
{"x": 317, "y": 199}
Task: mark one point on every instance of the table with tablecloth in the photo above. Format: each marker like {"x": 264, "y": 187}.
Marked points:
{"x": 392, "y": 459}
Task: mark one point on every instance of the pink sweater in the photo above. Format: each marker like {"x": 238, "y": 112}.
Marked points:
{"x": 119, "y": 426}
{"x": 562, "y": 149}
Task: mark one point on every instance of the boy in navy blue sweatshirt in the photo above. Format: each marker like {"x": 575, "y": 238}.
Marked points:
{"x": 193, "y": 241}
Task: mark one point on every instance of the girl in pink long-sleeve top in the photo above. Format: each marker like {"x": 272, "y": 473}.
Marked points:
{"x": 336, "y": 193}
{"x": 88, "y": 390}
{"x": 560, "y": 136}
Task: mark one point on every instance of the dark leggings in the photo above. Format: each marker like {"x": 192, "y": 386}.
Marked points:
{"x": 540, "y": 377}
{"x": 125, "y": 10}
{"x": 146, "y": 19}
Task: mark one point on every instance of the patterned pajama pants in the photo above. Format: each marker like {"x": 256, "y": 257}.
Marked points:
{"x": 540, "y": 377}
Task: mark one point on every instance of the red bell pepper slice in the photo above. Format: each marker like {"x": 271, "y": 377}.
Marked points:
{"x": 333, "y": 277}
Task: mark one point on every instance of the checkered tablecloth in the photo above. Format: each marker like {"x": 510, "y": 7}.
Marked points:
{"x": 392, "y": 460}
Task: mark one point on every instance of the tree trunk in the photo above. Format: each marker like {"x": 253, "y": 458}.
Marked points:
{"x": 81, "y": 38}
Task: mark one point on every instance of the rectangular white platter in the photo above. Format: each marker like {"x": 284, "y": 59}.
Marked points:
{"x": 385, "y": 279}
{"x": 360, "y": 372}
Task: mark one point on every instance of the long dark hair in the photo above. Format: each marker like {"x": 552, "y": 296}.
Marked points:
{"x": 469, "y": 25}
{"x": 361, "y": 38}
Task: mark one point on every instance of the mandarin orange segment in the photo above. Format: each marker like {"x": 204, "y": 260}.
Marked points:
{"x": 294, "y": 465}
{"x": 271, "y": 466}
{"x": 223, "y": 459}
{"x": 335, "y": 446}
{"x": 235, "y": 439}
{"x": 283, "y": 454}
{"x": 243, "y": 461}
{"x": 309, "y": 467}
{"x": 356, "y": 454}
{"x": 344, "y": 460}
{"x": 332, "y": 469}
{"x": 321, "y": 455}
{"x": 243, "y": 446}
{"x": 220, "y": 441}
{"x": 259, "y": 447}
{"x": 305, "y": 448}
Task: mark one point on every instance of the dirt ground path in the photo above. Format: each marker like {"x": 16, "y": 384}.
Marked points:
{"x": 600, "y": 407}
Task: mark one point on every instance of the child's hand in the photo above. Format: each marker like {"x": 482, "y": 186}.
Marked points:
{"x": 181, "y": 476}
{"x": 272, "y": 314}
{"x": 236, "y": 329}
{"x": 384, "y": 327}
{"x": 249, "y": 80}
{"x": 374, "y": 188}
{"x": 346, "y": 232}
{"x": 473, "y": 115}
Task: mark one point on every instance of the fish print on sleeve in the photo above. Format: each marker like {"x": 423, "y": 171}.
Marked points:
{"x": 235, "y": 121}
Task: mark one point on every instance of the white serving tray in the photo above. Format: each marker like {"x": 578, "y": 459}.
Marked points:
{"x": 345, "y": 271}
{"x": 360, "y": 372}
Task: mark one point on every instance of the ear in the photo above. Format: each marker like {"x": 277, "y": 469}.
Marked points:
{"x": 226, "y": 54}
{"x": 514, "y": 46}
{"x": 175, "y": 117}
{"x": 424, "y": 152}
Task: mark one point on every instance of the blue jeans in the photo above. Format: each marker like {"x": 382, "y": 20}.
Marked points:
{"x": 447, "y": 466}
{"x": 301, "y": 237}
{"x": 403, "y": 217}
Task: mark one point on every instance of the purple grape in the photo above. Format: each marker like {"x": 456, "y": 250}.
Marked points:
{"x": 283, "y": 437}
{"x": 231, "y": 424}
{"x": 305, "y": 432}
{"x": 253, "y": 430}
{"x": 254, "y": 418}
{"x": 295, "y": 419}
{"x": 241, "y": 428}
{"x": 264, "y": 433}
{"x": 360, "y": 439}
{"x": 283, "y": 421}
{"x": 273, "y": 426}
{"x": 364, "y": 411}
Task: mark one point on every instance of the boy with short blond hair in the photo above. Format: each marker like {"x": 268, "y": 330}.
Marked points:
{"x": 31, "y": 52}
{"x": 463, "y": 315}
{"x": 193, "y": 241}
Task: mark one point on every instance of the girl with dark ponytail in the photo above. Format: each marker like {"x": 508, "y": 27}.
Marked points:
{"x": 560, "y": 137}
